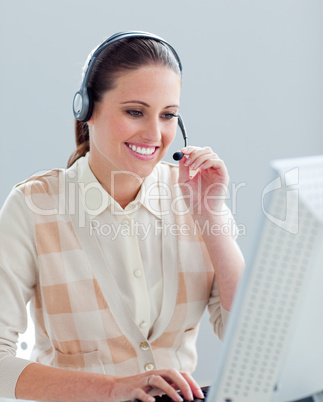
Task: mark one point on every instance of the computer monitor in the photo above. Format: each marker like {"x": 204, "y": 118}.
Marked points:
{"x": 273, "y": 345}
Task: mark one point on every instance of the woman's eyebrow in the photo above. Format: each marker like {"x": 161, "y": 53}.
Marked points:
{"x": 135, "y": 101}
{"x": 167, "y": 107}
{"x": 146, "y": 104}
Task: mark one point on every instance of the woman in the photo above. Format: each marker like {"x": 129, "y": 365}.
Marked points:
{"x": 120, "y": 253}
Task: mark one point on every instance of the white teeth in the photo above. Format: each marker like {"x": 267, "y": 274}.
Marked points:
{"x": 142, "y": 151}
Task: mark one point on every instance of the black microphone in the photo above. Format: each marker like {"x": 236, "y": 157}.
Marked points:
{"x": 179, "y": 155}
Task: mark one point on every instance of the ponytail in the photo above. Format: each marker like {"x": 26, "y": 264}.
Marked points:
{"x": 82, "y": 142}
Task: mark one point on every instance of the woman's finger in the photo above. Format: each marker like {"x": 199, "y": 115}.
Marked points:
{"x": 196, "y": 389}
{"x": 215, "y": 163}
{"x": 170, "y": 381}
{"x": 160, "y": 383}
{"x": 197, "y": 162}
{"x": 189, "y": 150}
{"x": 184, "y": 172}
{"x": 193, "y": 153}
{"x": 181, "y": 384}
{"x": 141, "y": 395}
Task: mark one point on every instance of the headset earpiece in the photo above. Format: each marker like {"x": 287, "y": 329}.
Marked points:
{"x": 83, "y": 104}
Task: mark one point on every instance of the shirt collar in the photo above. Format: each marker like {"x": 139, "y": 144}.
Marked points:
{"x": 96, "y": 199}
{"x": 149, "y": 194}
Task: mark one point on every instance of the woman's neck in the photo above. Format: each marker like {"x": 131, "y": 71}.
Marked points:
{"x": 123, "y": 187}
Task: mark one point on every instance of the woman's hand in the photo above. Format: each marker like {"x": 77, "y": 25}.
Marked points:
{"x": 155, "y": 382}
{"x": 43, "y": 383}
{"x": 204, "y": 191}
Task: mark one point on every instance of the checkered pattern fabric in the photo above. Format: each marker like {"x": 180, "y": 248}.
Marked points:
{"x": 75, "y": 327}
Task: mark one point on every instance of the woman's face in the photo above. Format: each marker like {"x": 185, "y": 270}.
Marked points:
{"x": 134, "y": 124}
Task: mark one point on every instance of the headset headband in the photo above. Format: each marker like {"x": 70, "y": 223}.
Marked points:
{"x": 83, "y": 102}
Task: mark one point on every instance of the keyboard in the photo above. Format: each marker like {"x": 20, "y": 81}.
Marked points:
{"x": 165, "y": 398}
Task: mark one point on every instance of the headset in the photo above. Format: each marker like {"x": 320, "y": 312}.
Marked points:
{"x": 83, "y": 99}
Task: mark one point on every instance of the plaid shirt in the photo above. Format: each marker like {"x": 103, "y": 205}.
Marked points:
{"x": 82, "y": 321}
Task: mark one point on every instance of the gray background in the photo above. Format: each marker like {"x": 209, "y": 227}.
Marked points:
{"x": 252, "y": 88}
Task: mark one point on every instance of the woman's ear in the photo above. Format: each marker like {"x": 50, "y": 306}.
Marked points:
{"x": 90, "y": 121}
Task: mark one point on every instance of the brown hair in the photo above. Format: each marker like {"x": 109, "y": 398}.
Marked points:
{"x": 125, "y": 54}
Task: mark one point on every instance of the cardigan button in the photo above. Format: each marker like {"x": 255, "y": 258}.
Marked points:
{"x": 138, "y": 273}
{"x": 149, "y": 366}
{"x": 144, "y": 346}
{"x": 125, "y": 222}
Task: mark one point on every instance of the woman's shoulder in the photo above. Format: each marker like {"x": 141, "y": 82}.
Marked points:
{"x": 43, "y": 182}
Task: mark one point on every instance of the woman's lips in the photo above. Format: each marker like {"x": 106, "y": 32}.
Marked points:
{"x": 142, "y": 152}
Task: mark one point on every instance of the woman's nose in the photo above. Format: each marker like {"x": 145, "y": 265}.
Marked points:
{"x": 152, "y": 132}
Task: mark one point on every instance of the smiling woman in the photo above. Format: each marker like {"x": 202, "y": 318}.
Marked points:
{"x": 110, "y": 251}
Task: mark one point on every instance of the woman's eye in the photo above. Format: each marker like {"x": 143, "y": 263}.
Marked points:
{"x": 134, "y": 113}
{"x": 169, "y": 116}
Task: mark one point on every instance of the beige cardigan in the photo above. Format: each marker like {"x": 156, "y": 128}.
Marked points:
{"x": 81, "y": 319}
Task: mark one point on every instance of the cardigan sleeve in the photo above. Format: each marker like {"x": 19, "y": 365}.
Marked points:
{"x": 218, "y": 316}
{"x": 17, "y": 282}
